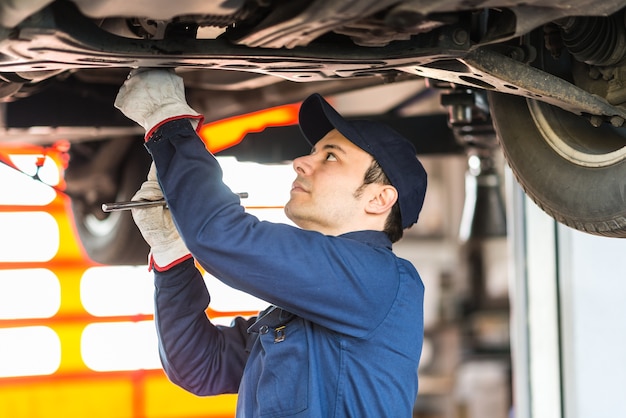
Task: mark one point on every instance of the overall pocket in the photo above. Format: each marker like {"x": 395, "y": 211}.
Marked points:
{"x": 283, "y": 387}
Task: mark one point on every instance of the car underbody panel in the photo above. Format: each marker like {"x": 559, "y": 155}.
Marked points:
{"x": 59, "y": 38}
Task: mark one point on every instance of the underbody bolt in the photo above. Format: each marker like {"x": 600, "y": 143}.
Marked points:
{"x": 459, "y": 37}
{"x": 596, "y": 121}
{"x": 617, "y": 121}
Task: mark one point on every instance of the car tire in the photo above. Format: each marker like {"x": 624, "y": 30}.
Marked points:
{"x": 574, "y": 171}
{"x": 115, "y": 239}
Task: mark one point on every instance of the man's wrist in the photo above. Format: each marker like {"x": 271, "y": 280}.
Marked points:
{"x": 166, "y": 256}
{"x": 174, "y": 123}
{"x": 154, "y": 265}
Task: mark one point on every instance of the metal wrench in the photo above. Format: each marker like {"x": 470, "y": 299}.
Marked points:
{"x": 132, "y": 204}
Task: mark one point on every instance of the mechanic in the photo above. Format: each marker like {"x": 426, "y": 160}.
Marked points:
{"x": 343, "y": 334}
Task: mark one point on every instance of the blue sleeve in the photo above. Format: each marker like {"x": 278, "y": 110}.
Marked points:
{"x": 342, "y": 284}
{"x": 198, "y": 356}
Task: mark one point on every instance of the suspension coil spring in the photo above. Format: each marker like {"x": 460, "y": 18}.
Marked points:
{"x": 597, "y": 41}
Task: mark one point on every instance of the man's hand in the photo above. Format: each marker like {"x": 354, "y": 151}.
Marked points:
{"x": 155, "y": 223}
{"x": 153, "y": 97}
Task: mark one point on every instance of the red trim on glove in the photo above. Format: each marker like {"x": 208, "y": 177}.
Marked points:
{"x": 200, "y": 119}
{"x": 153, "y": 265}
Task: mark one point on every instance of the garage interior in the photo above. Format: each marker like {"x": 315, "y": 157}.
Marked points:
{"x": 523, "y": 316}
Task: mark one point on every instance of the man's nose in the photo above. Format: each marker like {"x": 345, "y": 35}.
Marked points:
{"x": 302, "y": 165}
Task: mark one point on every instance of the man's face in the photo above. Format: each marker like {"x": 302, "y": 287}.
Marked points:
{"x": 323, "y": 194}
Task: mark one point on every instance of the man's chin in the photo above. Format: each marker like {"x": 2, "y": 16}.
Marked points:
{"x": 288, "y": 211}
{"x": 292, "y": 215}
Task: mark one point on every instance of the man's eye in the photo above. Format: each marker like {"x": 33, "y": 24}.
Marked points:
{"x": 331, "y": 157}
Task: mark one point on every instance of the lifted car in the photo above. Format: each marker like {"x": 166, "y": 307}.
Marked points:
{"x": 548, "y": 79}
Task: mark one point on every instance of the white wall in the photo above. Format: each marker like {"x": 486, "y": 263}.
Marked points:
{"x": 593, "y": 311}
{"x": 568, "y": 318}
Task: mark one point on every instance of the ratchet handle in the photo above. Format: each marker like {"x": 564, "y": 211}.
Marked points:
{"x": 132, "y": 204}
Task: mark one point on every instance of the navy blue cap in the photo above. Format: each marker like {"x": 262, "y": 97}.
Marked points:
{"x": 394, "y": 153}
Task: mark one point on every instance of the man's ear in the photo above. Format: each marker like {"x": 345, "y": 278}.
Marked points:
{"x": 383, "y": 200}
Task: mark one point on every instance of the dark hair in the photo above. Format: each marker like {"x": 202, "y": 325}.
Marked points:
{"x": 393, "y": 223}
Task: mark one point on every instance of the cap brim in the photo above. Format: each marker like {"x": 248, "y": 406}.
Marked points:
{"x": 317, "y": 117}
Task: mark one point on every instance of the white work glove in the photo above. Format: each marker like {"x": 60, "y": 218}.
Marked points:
{"x": 153, "y": 97}
{"x": 155, "y": 223}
